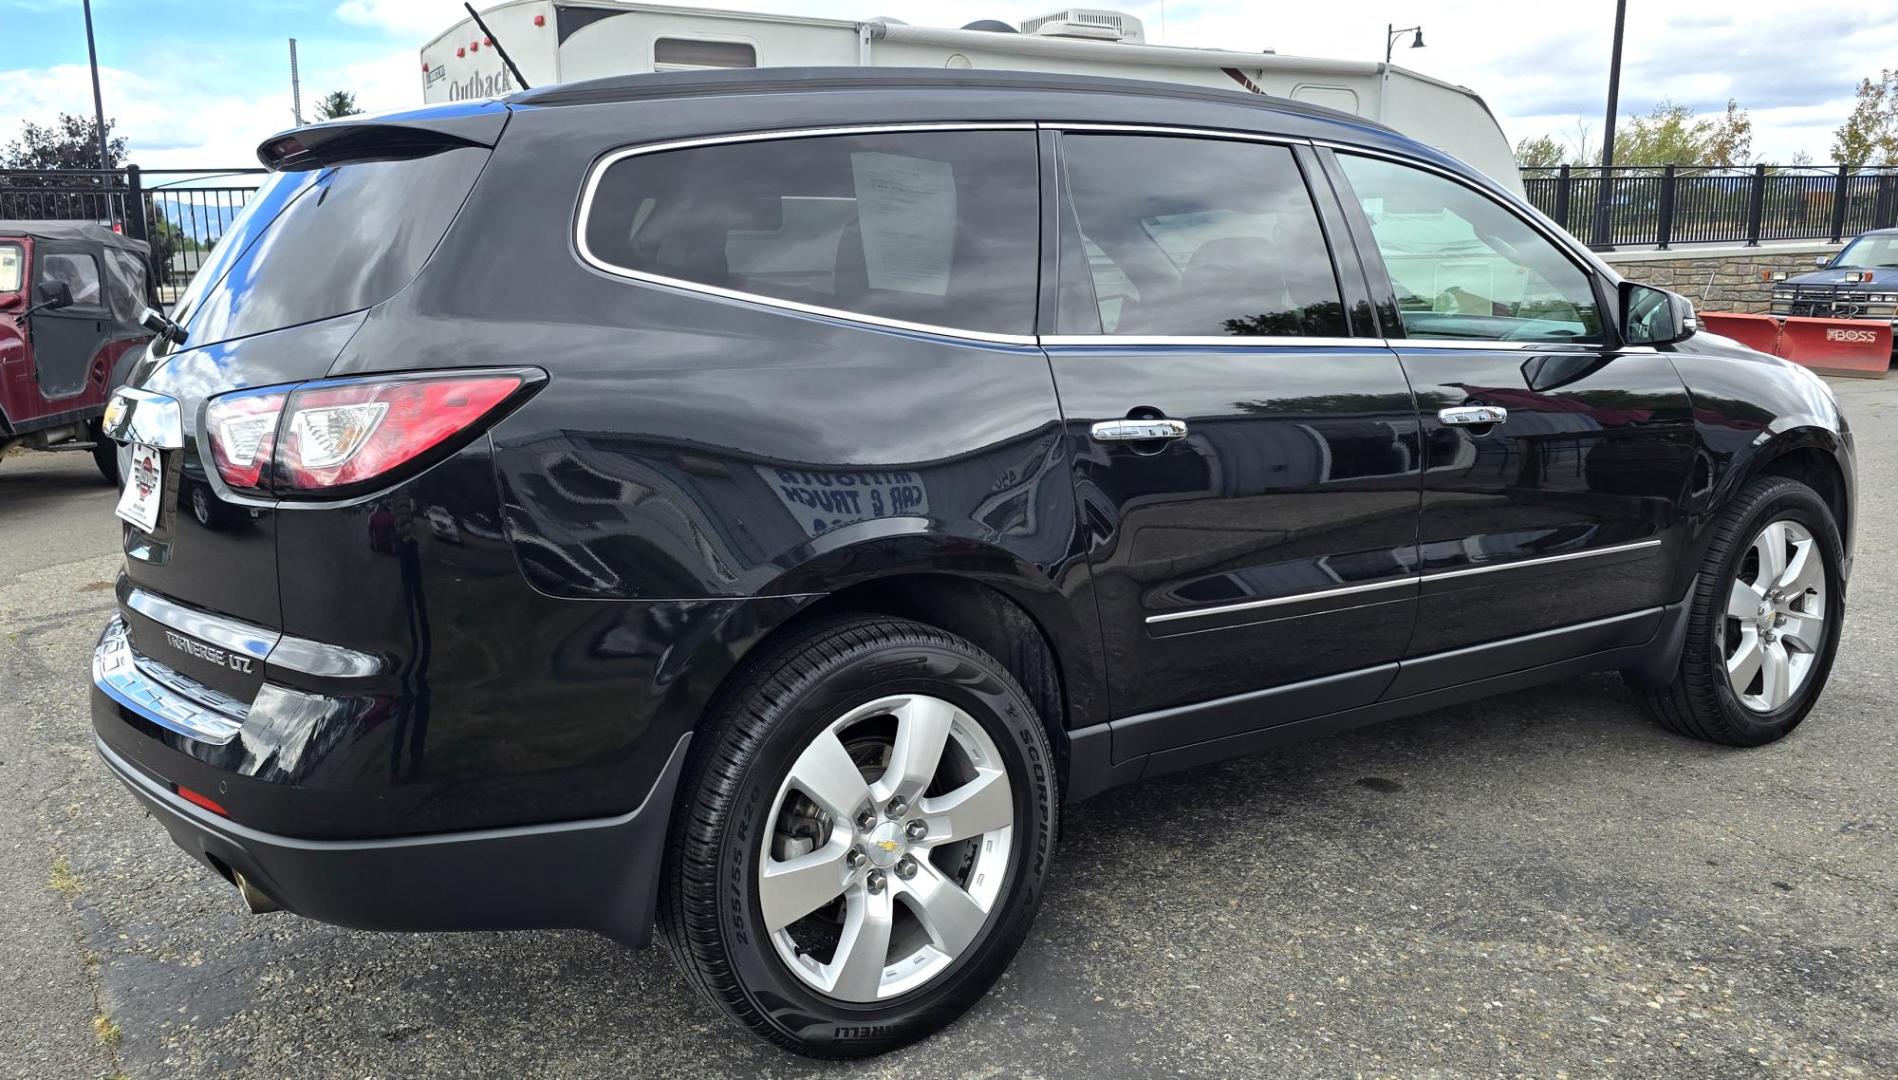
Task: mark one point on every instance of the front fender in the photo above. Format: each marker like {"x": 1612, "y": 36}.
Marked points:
{"x": 1750, "y": 410}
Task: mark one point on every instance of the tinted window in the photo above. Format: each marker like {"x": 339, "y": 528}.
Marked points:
{"x": 311, "y": 245}
{"x": 673, "y": 53}
{"x": 928, "y": 227}
{"x": 79, "y": 272}
{"x": 1466, "y": 267}
{"x": 1195, "y": 237}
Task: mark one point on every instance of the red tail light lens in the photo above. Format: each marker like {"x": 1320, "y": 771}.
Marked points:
{"x": 342, "y": 435}
{"x": 332, "y": 437}
{"x": 243, "y": 429}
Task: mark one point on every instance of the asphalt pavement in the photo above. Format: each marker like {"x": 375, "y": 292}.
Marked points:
{"x": 1543, "y": 884}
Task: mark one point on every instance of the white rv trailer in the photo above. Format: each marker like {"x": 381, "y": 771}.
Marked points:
{"x": 566, "y": 40}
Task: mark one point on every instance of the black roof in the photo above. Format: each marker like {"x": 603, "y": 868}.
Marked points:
{"x": 808, "y": 79}
{"x": 86, "y": 231}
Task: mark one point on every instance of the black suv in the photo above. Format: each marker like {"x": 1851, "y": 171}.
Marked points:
{"x": 754, "y": 502}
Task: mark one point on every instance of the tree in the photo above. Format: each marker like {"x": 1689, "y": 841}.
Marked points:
{"x": 1870, "y": 135}
{"x": 337, "y": 104}
{"x": 71, "y": 142}
{"x": 1541, "y": 152}
{"x": 1673, "y": 135}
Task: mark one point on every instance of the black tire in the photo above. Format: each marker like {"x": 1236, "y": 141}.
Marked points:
{"x": 1700, "y": 702}
{"x": 105, "y": 454}
{"x": 710, "y": 917}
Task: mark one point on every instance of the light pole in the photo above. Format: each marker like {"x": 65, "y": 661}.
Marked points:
{"x": 98, "y": 107}
{"x": 1392, "y": 33}
{"x": 1604, "y": 191}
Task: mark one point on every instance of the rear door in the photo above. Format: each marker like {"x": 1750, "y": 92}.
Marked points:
{"x": 1244, "y": 445}
{"x": 1556, "y": 462}
{"x": 66, "y": 340}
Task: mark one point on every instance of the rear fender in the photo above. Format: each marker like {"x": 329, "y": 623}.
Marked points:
{"x": 869, "y": 552}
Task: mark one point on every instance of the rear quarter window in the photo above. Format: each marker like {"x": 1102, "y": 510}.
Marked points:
{"x": 931, "y": 228}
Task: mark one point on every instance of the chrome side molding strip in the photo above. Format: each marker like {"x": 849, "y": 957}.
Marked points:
{"x": 1544, "y": 560}
{"x": 1277, "y": 601}
{"x": 1351, "y": 590}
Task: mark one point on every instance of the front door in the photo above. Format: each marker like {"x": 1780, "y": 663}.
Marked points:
{"x": 1555, "y": 461}
{"x": 1244, "y": 446}
{"x": 66, "y": 340}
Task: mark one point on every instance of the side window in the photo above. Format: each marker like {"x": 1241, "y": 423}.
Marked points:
{"x": 12, "y": 266}
{"x": 939, "y": 228}
{"x": 79, "y": 272}
{"x": 1189, "y": 237}
{"x": 690, "y": 54}
{"x": 1464, "y": 266}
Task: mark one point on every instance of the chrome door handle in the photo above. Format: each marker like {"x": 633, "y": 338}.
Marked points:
{"x": 1137, "y": 430}
{"x": 1470, "y": 415}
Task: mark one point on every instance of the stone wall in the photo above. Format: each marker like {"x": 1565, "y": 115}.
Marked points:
{"x": 1718, "y": 279}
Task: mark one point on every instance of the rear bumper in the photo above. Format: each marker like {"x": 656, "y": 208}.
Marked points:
{"x": 598, "y": 875}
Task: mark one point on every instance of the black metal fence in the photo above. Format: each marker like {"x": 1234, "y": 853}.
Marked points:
{"x": 1698, "y": 204}
{"x": 181, "y": 213}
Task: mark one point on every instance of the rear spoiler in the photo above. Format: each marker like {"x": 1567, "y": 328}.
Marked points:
{"x": 384, "y": 136}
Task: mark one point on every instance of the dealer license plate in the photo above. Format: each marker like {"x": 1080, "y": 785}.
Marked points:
{"x": 144, "y": 479}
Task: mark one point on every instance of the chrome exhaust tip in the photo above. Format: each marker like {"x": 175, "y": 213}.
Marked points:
{"x": 255, "y": 898}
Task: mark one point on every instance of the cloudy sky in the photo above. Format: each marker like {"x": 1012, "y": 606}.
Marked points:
{"x": 200, "y": 82}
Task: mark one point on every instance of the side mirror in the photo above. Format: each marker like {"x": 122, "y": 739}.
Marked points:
{"x": 1651, "y": 316}
{"x": 53, "y": 295}
{"x": 1822, "y": 261}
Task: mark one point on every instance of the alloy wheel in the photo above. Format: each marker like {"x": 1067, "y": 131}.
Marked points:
{"x": 1776, "y": 613}
{"x": 889, "y": 846}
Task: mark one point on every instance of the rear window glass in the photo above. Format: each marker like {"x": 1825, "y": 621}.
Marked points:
{"x": 313, "y": 245}
{"x": 937, "y": 228}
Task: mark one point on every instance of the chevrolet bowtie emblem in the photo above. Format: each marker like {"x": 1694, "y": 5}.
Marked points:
{"x": 887, "y": 845}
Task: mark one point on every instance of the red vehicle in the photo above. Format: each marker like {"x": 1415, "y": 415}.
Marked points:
{"x": 71, "y": 297}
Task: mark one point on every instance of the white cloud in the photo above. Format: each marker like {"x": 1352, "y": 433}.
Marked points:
{"x": 421, "y": 19}
{"x": 166, "y": 125}
{"x": 1794, "y": 66}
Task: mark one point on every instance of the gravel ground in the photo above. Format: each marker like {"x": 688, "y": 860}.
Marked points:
{"x": 1540, "y": 885}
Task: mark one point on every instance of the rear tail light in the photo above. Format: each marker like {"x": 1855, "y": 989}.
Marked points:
{"x": 243, "y": 429}
{"x": 335, "y": 437}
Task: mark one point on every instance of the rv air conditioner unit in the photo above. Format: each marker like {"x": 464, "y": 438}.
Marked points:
{"x": 1091, "y": 23}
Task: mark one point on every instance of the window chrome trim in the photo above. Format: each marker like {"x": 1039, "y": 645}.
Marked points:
{"x": 1489, "y": 345}
{"x": 1543, "y": 560}
{"x": 1288, "y": 341}
{"x": 598, "y": 170}
{"x": 1168, "y": 129}
{"x": 1280, "y": 601}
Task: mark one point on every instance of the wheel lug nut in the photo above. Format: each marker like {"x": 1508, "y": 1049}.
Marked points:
{"x": 874, "y": 881}
{"x": 906, "y": 868}
{"x": 853, "y": 858}
{"x": 896, "y": 807}
{"x": 866, "y": 821}
{"x": 916, "y": 829}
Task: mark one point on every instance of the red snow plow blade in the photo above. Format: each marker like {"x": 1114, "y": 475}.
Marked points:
{"x": 1859, "y": 347}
